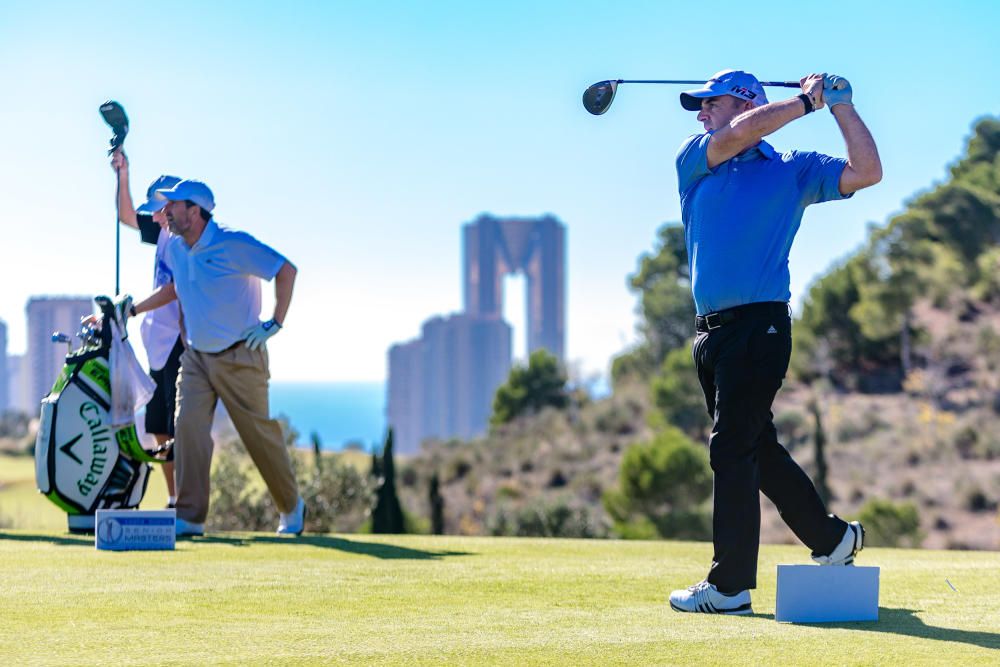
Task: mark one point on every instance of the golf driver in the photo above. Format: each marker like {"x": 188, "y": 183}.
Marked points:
{"x": 599, "y": 96}
{"x": 114, "y": 115}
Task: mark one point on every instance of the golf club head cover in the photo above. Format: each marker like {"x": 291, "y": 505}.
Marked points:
{"x": 114, "y": 115}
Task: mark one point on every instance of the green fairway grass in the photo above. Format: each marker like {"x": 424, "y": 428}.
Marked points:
{"x": 21, "y": 506}
{"x": 240, "y": 599}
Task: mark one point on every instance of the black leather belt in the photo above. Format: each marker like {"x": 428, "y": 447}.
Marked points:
{"x": 231, "y": 347}
{"x": 712, "y": 321}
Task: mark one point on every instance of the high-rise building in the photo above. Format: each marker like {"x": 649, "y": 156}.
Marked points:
{"x": 47, "y": 314}
{"x": 495, "y": 247}
{"x": 17, "y": 385}
{"x": 4, "y": 373}
{"x": 442, "y": 384}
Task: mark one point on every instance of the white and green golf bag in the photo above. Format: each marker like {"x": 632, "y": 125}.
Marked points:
{"x": 82, "y": 462}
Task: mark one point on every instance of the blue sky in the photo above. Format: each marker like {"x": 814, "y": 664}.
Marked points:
{"x": 357, "y": 137}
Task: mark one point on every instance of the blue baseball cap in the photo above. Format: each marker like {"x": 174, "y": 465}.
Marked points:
{"x": 155, "y": 202}
{"x": 737, "y": 83}
{"x": 195, "y": 192}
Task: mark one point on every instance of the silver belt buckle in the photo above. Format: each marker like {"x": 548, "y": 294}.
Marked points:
{"x": 717, "y": 321}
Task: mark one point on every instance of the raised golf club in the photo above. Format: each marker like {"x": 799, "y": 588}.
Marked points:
{"x": 598, "y": 97}
{"x": 114, "y": 115}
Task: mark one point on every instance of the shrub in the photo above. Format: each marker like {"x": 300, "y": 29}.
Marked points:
{"x": 662, "y": 484}
{"x": 889, "y": 524}
{"x": 859, "y": 426}
{"x": 456, "y": 469}
{"x": 545, "y": 518}
{"x": 793, "y": 428}
{"x": 337, "y": 496}
{"x": 615, "y": 419}
{"x": 237, "y": 501}
{"x": 530, "y": 388}
{"x": 678, "y": 395}
{"x": 965, "y": 441}
{"x": 976, "y": 500}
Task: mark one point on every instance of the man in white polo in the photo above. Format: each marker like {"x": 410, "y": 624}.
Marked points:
{"x": 217, "y": 274}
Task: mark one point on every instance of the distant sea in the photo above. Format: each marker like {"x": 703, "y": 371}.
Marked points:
{"x": 340, "y": 412}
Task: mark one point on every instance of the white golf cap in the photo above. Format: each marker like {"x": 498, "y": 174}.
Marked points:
{"x": 154, "y": 202}
{"x": 195, "y": 192}
{"x": 737, "y": 83}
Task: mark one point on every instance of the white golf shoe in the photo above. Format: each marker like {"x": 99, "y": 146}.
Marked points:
{"x": 850, "y": 545}
{"x": 706, "y": 599}
{"x": 294, "y": 522}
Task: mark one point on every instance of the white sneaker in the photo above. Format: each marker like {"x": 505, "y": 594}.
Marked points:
{"x": 706, "y": 599}
{"x": 184, "y": 528}
{"x": 295, "y": 522}
{"x": 850, "y": 545}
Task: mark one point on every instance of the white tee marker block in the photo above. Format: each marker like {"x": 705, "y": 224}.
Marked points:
{"x": 826, "y": 594}
{"x": 135, "y": 530}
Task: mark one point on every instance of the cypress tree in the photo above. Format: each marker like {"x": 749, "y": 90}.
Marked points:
{"x": 317, "y": 451}
{"x": 819, "y": 440}
{"x": 437, "y": 507}
{"x": 388, "y": 514}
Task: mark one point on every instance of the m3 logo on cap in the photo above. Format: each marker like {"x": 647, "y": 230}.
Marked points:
{"x": 743, "y": 92}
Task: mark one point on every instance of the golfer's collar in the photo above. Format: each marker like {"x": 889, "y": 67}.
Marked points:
{"x": 207, "y": 235}
{"x": 763, "y": 148}
{"x": 766, "y": 149}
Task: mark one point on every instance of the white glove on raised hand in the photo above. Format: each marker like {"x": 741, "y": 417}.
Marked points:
{"x": 258, "y": 335}
{"x": 124, "y": 308}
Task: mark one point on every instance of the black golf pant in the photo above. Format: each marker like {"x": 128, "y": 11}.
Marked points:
{"x": 741, "y": 365}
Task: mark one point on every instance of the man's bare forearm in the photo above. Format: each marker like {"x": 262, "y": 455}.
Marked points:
{"x": 862, "y": 154}
{"x": 126, "y": 209}
{"x": 750, "y": 127}
{"x": 284, "y": 284}
{"x": 754, "y": 125}
{"x": 157, "y": 299}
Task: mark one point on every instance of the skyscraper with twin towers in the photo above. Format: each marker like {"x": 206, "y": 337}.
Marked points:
{"x": 441, "y": 385}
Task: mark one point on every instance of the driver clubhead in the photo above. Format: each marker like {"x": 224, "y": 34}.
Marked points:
{"x": 114, "y": 115}
{"x": 599, "y": 96}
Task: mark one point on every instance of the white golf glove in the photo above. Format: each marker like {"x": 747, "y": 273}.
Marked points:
{"x": 258, "y": 335}
{"x": 124, "y": 308}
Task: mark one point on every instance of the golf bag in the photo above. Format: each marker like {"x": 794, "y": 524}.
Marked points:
{"x": 82, "y": 462}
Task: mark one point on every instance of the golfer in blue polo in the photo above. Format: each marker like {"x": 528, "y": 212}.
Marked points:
{"x": 741, "y": 204}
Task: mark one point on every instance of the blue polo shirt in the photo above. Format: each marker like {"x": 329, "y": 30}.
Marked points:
{"x": 741, "y": 216}
{"x": 218, "y": 284}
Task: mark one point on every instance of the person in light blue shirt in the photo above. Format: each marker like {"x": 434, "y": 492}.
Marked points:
{"x": 216, "y": 280}
{"x": 742, "y": 202}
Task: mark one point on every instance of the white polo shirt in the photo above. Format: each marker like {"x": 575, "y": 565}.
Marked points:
{"x": 160, "y": 326}
{"x": 218, "y": 284}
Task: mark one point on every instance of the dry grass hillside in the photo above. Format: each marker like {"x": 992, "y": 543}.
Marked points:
{"x": 936, "y": 444}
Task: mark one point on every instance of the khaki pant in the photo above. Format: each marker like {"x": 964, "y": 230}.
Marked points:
{"x": 238, "y": 376}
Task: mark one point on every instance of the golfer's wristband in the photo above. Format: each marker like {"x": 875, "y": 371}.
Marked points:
{"x": 131, "y": 311}
{"x": 807, "y": 102}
